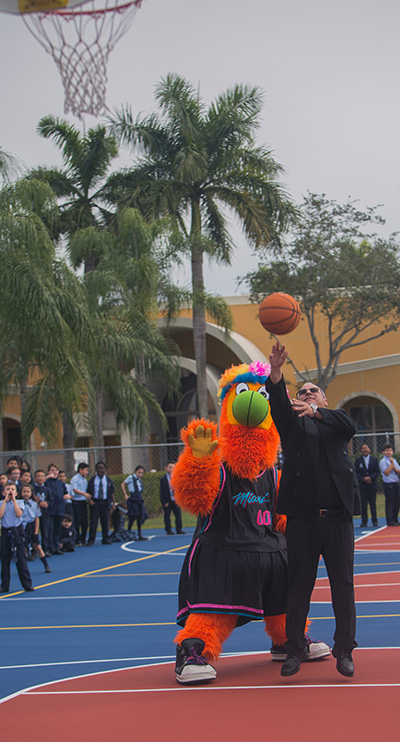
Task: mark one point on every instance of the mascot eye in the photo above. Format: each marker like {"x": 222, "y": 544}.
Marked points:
{"x": 262, "y": 390}
{"x": 242, "y": 388}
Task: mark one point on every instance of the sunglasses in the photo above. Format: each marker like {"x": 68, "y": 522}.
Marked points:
{"x": 311, "y": 389}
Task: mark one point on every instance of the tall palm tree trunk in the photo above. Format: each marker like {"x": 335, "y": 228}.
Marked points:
{"x": 68, "y": 442}
{"x": 199, "y": 314}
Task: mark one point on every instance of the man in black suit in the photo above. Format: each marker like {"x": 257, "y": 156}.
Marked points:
{"x": 319, "y": 494}
{"x": 168, "y": 502}
{"x": 102, "y": 501}
{"x": 367, "y": 471}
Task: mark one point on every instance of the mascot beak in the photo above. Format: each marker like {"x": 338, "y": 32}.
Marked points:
{"x": 250, "y": 408}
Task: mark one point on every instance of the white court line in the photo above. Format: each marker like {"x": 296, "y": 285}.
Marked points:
{"x": 125, "y": 547}
{"x": 211, "y": 688}
{"x": 168, "y": 658}
{"x": 371, "y": 533}
{"x": 157, "y": 664}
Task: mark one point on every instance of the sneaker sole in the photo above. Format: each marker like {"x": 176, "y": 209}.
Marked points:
{"x": 319, "y": 650}
{"x": 196, "y": 674}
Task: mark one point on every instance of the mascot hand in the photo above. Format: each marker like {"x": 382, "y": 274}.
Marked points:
{"x": 201, "y": 442}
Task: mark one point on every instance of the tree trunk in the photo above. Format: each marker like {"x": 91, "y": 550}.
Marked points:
{"x": 143, "y": 438}
{"x": 23, "y": 395}
{"x": 199, "y": 314}
{"x": 98, "y": 427}
{"x": 68, "y": 443}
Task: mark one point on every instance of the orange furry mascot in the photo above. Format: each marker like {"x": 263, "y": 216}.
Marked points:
{"x": 235, "y": 570}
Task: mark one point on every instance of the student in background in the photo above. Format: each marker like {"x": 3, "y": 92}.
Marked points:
{"x": 67, "y": 534}
{"x": 30, "y": 521}
{"x": 134, "y": 500}
{"x": 56, "y": 507}
{"x": 68, "y": 500}
{"x": 12, "y": 537}
{"x": 80, "y": 496}
{"x": 42, "y": 496}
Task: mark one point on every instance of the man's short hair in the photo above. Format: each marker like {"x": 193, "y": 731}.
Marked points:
{"x": 38, "y": 471}
{"x": 50, "y": 466}
{"x": 83, "y": 465}
{"x": 139, "y": 466}
{"x": 67, "y": 517}
{"x": 103, "y": 463}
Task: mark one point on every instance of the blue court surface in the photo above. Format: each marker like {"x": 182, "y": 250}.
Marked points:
{"x": 112, "y": 607}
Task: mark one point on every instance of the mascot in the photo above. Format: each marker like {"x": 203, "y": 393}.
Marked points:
{"x": 235, "y": 570}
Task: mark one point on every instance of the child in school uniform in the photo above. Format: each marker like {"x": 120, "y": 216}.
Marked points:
{"x": 67, "y": 534}
{"x": 43, "y": 498}
{"x": 12, "y": 537}
{"x": 30, "y": 521}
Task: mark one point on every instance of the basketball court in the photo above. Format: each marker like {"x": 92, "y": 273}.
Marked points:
{"x": 91, "y": 653}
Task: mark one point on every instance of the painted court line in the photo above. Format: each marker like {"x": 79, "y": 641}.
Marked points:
{"x": 96, "y": 571}
{"x": 210, "y": 689}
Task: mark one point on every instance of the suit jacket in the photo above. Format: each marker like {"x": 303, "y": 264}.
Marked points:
{"x": 373, "y": 472}
{"x": 110, "y": 489}
{"x": 298, "y": 491}
{"x": 165, "y": 492}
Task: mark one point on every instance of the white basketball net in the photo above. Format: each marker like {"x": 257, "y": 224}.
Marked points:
{"x": 80, "y": 40}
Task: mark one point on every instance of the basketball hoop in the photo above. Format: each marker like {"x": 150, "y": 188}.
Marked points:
{"x": 80, "y": 40}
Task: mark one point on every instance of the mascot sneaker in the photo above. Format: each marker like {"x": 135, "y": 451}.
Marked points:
{"x": 315, "y": 651}
{"x": 191, "y": 666}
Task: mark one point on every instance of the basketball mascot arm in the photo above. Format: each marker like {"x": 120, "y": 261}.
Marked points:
{"x": 279, "y": 521}
{"x": 196, "y": 476}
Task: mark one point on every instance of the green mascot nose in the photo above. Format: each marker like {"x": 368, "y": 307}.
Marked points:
{"x": 250, "y": 408}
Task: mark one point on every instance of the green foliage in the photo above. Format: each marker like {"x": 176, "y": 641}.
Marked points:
{"x": 195, "y": 164}
{"x": 333, "y": 266}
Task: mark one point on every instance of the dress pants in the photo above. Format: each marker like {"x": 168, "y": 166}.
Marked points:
{"x": 80, "y": 520}
{"x": 391, "y": 491}
{"x": 14, "y": 537}
{"x": 368, "y": 497}
{"x": 172, "y": 506}
{"x": 99, "y": 510}
{"x": 333, "y": 537}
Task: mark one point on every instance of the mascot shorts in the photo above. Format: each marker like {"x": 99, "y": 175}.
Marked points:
{"x": 249, "y": 584}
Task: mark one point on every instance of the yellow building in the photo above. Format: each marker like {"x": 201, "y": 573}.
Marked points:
{"x": 367, "y": 384}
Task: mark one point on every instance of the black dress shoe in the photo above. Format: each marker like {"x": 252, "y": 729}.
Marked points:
{"x": 90, "y": 543}
{"x": 4, "y": 589}
{"x": 106, "y": 541}
{"x": 181, "y": 533}
{"x": 375, "y": 524}
{"x": 29, "y": 589}
{"x": 142, "y": 538}
{"x": 345, "y": 664}
{"x": 170, "y": 533}
{"x": 363, "y": 525}
{"x": 292, "y": 664}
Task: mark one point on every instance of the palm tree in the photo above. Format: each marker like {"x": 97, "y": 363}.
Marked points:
{"x": 78, "y": 185}
{"x": 41, "y": 312}
{"x": 194, "y": 163}
{"x": 10, "y": 166}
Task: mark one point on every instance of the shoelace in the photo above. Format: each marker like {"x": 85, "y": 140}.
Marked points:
{"x": 198, "y": 659}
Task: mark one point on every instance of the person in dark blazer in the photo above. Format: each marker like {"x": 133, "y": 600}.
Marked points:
{"x": 102, "y": 501}
{"x": 319, "y": 494}
{"x": 367, "y": 471}
{"x": 168, "y": 502}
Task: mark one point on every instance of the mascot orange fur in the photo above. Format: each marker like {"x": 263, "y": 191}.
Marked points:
{"x": 235, "y": 570}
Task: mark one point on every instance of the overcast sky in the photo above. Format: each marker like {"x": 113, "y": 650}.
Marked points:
{"x": 330, "y": 72}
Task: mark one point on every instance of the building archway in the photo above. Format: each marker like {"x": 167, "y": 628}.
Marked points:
{"x": 376, "y": 419}
{"x": 12, "y": 440}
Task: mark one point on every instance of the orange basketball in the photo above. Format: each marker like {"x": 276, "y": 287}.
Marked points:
{"x": 279, "y": 313}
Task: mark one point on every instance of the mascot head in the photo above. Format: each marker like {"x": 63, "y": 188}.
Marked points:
{"x": 248, "y": 437}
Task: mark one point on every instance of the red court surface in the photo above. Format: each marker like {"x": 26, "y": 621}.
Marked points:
{"x": 385, "y": 539}
{"x": 249, "y": 697}
{"x": 372, "y": 587}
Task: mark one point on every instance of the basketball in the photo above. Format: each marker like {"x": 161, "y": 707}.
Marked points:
{"x": 250, "y": 408}
{"x": 279, "y": 313}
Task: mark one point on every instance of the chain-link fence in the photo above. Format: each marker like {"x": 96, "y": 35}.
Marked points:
{"x": 122, "y": 460}
{"x": 376, "y": 442}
